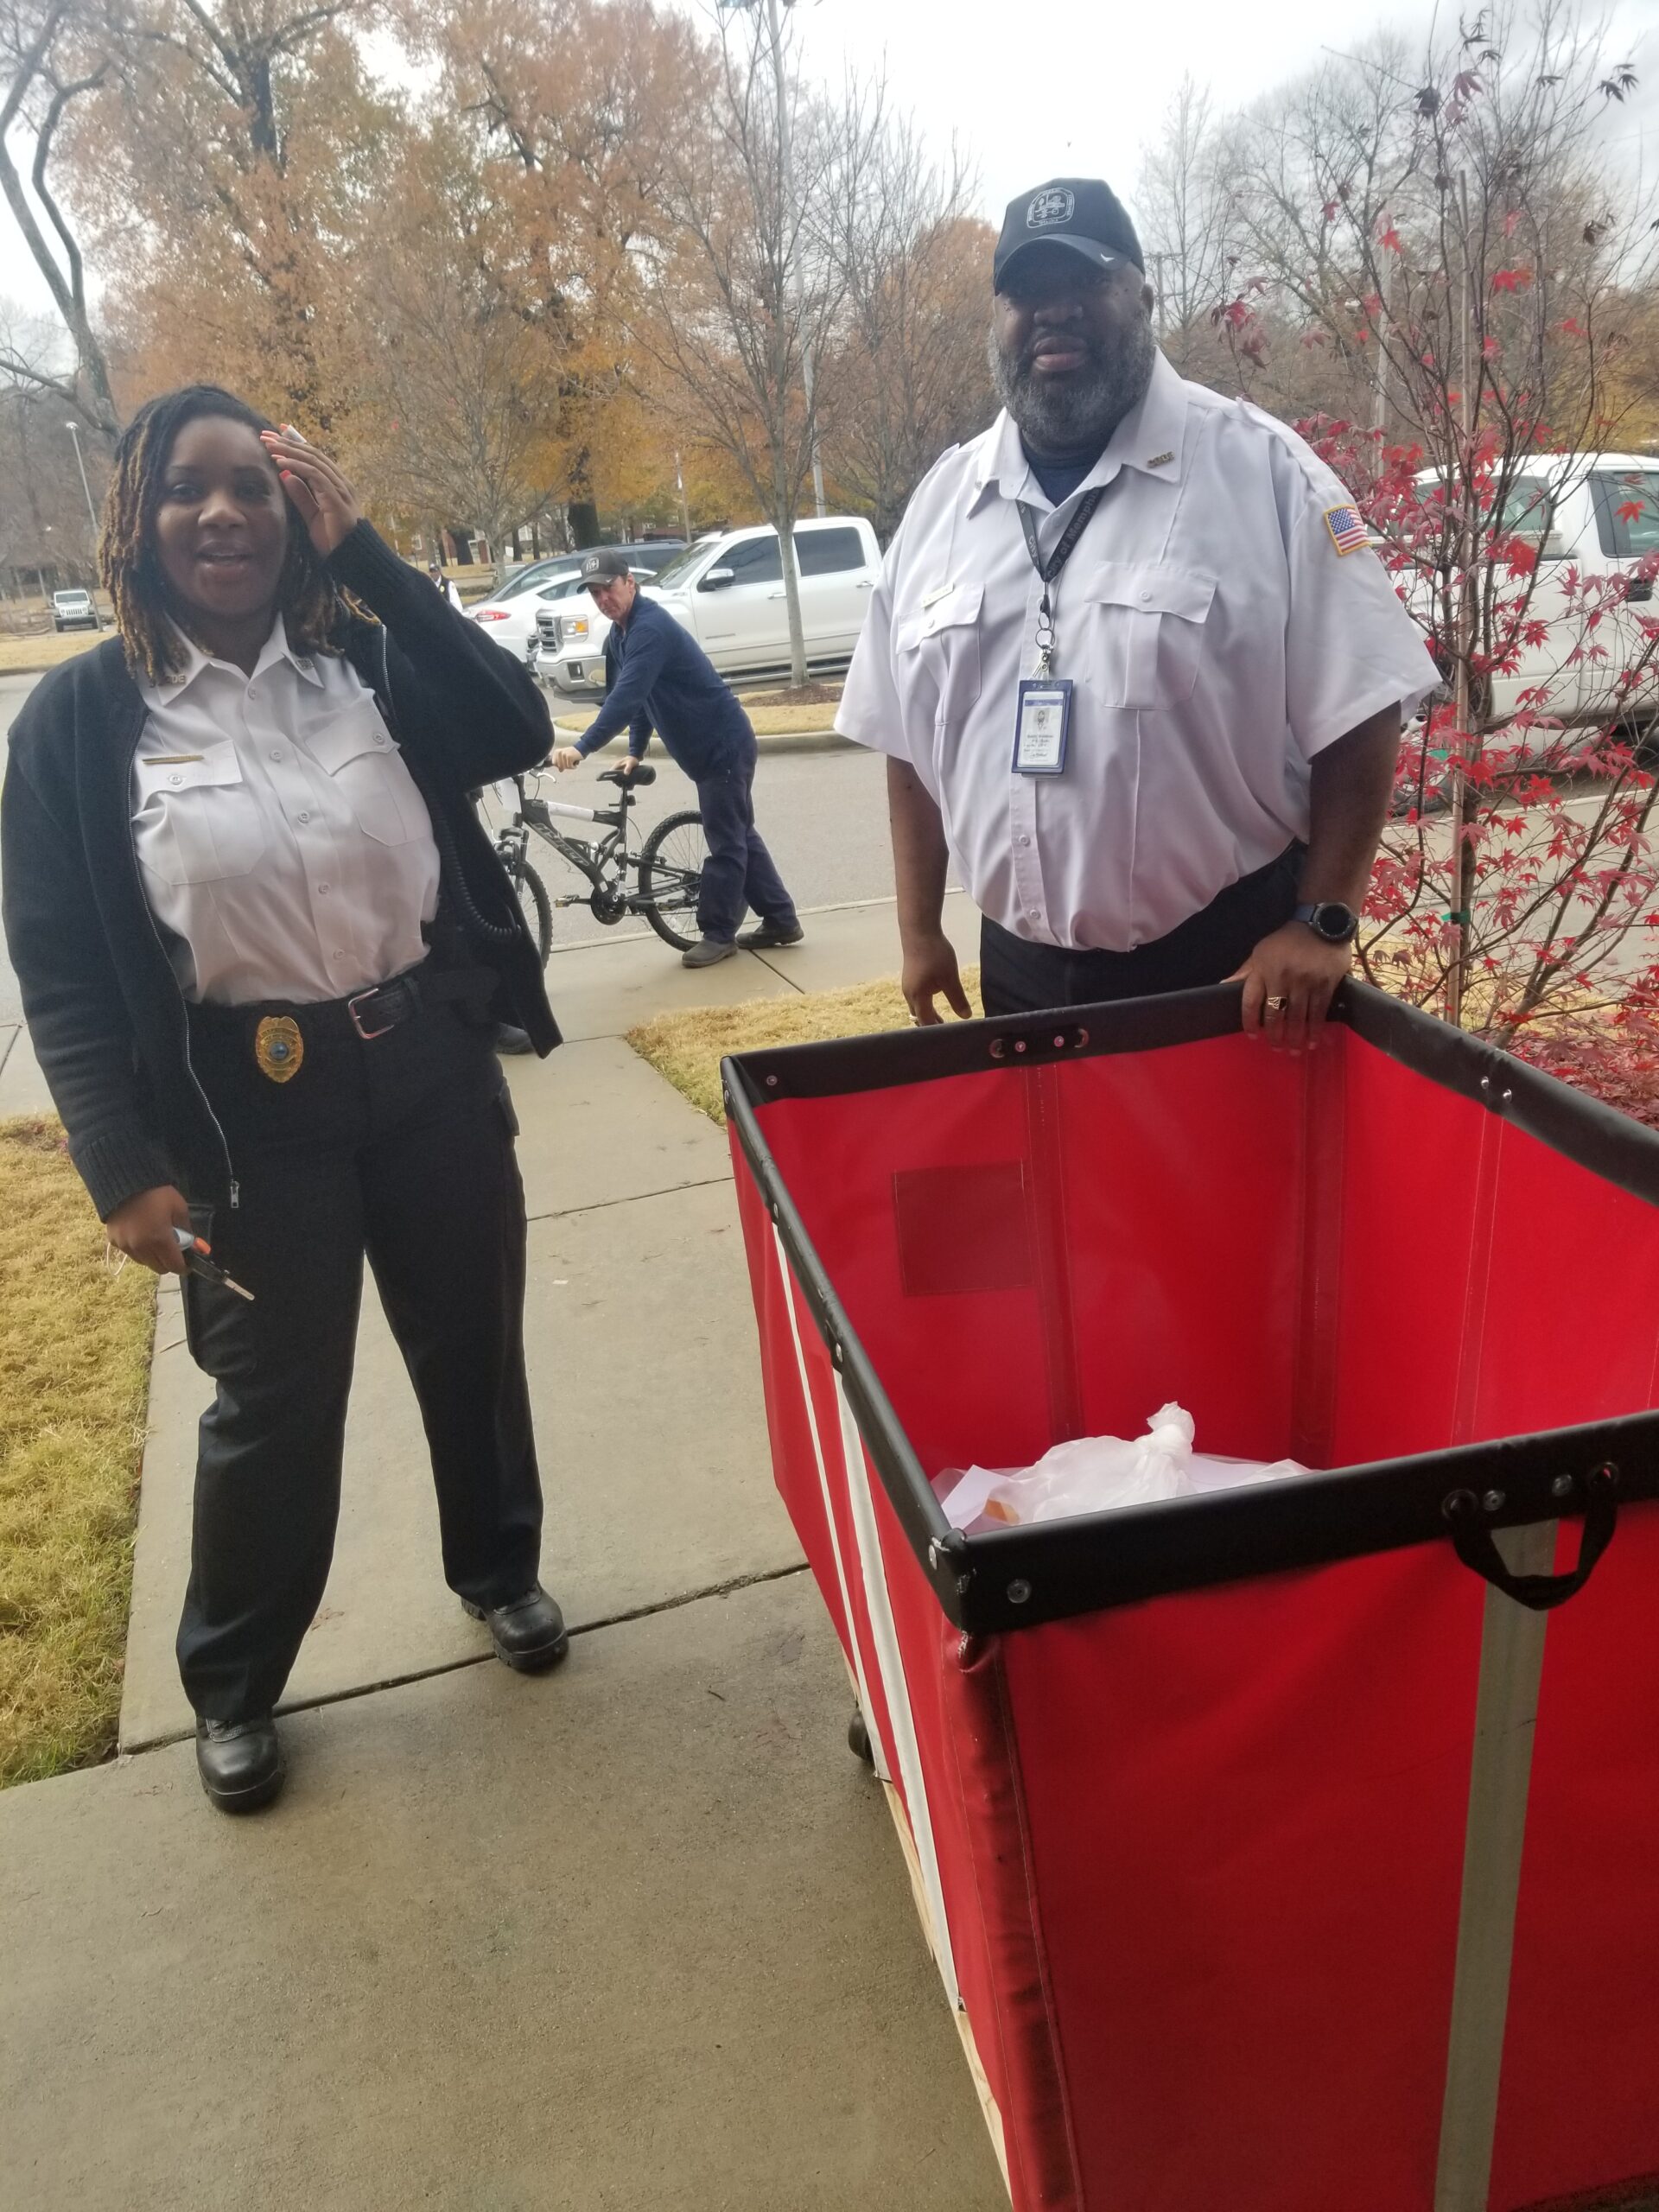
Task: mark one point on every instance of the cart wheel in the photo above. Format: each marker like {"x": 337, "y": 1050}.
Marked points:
{"x": 858, "y": 1738}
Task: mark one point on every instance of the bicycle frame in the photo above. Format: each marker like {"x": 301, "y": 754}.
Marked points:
{"x": 593, "y": 858}
{"x": 606, "y": 863}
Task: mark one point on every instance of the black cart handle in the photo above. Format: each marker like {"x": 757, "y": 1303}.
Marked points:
{"x": 1472, "y": 1536}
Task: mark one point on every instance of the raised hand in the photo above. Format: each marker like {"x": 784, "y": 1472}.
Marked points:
{"x": 322, "y": 498}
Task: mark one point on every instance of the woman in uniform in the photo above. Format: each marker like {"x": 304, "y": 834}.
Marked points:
{"x": 262, "y": 944}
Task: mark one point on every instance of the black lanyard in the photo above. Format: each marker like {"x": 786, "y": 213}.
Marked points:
{"x": 1048, "y": 571}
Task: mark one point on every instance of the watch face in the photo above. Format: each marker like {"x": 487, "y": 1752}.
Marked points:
{"x": 1335, "y": 922}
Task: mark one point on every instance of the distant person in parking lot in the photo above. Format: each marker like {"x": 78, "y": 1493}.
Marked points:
{"x": 446, "y": 585}
{"x": 658, "y": 678}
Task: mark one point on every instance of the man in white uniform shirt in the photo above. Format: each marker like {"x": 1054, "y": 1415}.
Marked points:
{"x": 1140, "y": 676}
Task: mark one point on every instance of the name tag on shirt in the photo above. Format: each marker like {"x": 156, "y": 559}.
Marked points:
{"x": 1042, "y": 725}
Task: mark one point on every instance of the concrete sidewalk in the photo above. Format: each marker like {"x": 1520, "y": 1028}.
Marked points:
{"x": 635, "y": 1934}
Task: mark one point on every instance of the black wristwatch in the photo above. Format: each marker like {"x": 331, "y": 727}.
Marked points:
{"x": 1330, "y": 919}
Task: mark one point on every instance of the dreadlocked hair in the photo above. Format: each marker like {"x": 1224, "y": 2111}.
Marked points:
{"x": 312, "y": 606}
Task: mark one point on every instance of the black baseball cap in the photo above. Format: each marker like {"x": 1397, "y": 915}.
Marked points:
{"x": 1079, "y": 212}
{"x": 605, "y": 568}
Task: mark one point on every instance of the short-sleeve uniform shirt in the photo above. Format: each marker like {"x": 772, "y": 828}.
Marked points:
{"x": 1222, "y": 619}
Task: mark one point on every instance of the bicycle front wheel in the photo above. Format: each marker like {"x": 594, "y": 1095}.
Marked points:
{"x": 538, "y": 908}
{"x": 670, "y": 876}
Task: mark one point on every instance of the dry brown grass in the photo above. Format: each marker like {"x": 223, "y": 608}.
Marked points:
{"x": 74, "y": 1374}
{"x": 19, "y": 655}
{"x": 688, "y": 1048}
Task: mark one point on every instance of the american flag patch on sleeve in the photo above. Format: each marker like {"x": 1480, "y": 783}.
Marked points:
{"x": 1347, "y": 528}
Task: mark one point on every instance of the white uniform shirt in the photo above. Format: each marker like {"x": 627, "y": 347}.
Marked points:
{"x": 1216, "y": 636}
{"x": 282, "y": 843}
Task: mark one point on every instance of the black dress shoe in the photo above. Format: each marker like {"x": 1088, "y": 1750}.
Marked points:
{"x": 508, "y": 1039}
{"x": 240, "y": 1762}
{"x": 529, "y": 1633}
{"x": 707, "y": 950}
{"x": 770, "y": 934}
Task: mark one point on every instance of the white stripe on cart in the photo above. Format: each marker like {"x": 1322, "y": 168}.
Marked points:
{"x": 882, "y": 1764}
{"x": 885, "y": 1636}
{"x": 1506, "y": 1712}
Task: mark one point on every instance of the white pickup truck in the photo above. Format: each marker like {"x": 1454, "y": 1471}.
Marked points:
{"x": 728, "y": 589}
{"x": 1592, "y": 516}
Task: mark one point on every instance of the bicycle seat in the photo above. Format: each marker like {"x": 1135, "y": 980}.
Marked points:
{"x": 643, "y": 774}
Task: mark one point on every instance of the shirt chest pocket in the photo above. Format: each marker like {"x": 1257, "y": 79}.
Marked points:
{"x": 937, "y": 652}
{"x": 1148, "y": 620}
{"x": 355, "y": 750}
{"x": 196, "y": 821}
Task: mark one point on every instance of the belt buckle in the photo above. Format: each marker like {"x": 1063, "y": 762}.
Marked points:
{"x": 351, "y": 1006}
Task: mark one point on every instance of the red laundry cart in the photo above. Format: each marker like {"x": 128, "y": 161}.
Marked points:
{"x": 1288, "y": 1849}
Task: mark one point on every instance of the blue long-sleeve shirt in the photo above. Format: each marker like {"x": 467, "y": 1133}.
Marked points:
{"x": 658, "y": 677}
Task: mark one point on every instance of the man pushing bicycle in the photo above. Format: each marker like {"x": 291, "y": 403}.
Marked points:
{"x": 657, "y": 677}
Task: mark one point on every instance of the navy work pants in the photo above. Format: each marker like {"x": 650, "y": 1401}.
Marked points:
{"x": 739, "y": 872}
{"x": 399, "y": 1149}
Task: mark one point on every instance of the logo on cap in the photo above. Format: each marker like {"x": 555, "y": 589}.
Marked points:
{"x": 592, "y": 565}
{"x": 1056, "y": 205}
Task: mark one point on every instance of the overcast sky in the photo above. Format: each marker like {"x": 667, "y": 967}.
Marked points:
{"x": 1057, "y": 88}
{"x": 1077, "y": 87}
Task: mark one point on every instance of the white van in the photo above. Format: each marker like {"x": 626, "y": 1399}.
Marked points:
{"x": 1594, "y": 515}
{"x": 729, "y": 592}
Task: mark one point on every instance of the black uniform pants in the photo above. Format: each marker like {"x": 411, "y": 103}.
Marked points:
{"x": 739, "y": 872}
{"x": 1016, "y": 977}
{"x": 400, "y": 1148}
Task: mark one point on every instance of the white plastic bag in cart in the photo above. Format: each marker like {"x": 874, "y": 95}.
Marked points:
{"x": 1093, "y": 1474}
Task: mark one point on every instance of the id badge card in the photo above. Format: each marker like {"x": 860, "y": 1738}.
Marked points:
{"x": 1042, "y": 725}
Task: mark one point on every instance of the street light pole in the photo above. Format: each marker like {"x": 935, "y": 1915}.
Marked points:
{"x": 74, "y": 430}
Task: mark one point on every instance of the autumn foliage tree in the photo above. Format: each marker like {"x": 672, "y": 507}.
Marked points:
{"x": 226, "y": 167}
{"x": 597, "y": 254}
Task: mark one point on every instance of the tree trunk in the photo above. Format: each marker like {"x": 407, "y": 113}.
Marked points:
{"x": 584, "y": 523}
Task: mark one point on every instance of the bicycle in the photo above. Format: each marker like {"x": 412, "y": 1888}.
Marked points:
{"x": 660, "y": 881}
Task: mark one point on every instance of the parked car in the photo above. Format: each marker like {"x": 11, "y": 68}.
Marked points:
{"x": 73, "y": 610}
{"x": 510, "y": 615}
{"x": 728, "y": 591}
{"x": 1591, "y": 515}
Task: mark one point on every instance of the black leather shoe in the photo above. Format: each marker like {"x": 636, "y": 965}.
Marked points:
{"x": 707, "y": 950}
{"x": 240, "y": 1762}
{"x": 509, "y": 1039}
{"x": 770, "y": 934}
{"x": 529, "y": 1633}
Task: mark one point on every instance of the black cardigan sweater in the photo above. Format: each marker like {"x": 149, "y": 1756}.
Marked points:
{"x": 104, "y": 1011}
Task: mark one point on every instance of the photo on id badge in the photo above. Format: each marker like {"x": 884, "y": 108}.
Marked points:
{"x": 1042, "y": 725}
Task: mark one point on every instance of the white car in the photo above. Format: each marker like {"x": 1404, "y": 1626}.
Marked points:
{"x": 728, "y": 589}
{"x": 1593, "y": 515}
{"x": 510, "y": 616}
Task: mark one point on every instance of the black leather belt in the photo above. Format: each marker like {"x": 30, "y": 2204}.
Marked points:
{"x": 373, "y": 1013}
{"x": 366, "y": 1015}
